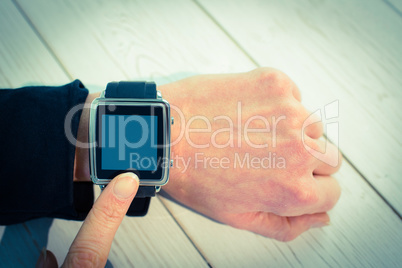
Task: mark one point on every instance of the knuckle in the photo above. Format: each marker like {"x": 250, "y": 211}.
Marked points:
{"x": 290, "y": 121}
{"x": 300, "y": 116}
{"x": 303, "y": 194}
{"x": 268, "y": 75}
{"x": 316, "y": 129}
{"x": 291, "y": 109}
{"x": 292, "y": 113}
{"x": 313, "y": 122}
{"x": 275, "y": 81}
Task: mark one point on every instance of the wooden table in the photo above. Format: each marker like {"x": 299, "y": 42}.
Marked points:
{"x": 348, "y": 51}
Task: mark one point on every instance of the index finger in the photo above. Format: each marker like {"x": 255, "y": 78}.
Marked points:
{"x": 92, "y": 244}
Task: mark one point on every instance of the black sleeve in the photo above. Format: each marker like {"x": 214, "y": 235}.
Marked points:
{"x": 36, "y": 158}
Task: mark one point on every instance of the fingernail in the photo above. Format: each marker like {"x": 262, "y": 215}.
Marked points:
{"x": 125, "y": 185}
{"x": 320, "y": 224}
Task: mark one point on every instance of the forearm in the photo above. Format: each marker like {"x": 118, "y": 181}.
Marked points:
{"x": 36, "y": 157}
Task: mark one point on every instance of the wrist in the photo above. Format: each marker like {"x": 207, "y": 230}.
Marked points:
{"x": 81, "y": 167}
{"x": 174, "y": 94}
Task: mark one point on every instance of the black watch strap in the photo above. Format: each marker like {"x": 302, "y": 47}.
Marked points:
{"x": 135, "y": 90}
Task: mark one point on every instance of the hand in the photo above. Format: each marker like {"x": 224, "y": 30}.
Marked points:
{"x": 263, "y": 180}
{"x": 92, "y": 244}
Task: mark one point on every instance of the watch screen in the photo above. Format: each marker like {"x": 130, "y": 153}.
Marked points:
{"x": 131, "y": 138}
{"x": 129, "y": 142}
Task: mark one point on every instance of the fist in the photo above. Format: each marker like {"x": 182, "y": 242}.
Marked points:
{"x": 247, "y": 153}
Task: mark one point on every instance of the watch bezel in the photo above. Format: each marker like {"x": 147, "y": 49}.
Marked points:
{"x": 129, "y": 102}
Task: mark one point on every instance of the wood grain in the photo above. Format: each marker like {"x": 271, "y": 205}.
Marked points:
{"x": 109, "y": 41}
{"x": 165, "y": 41}
{"x": 334, "y": 50}
{"x": 23, "y": 57}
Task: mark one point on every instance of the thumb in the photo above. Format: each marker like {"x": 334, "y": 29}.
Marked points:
{"x": 92, "y": 244}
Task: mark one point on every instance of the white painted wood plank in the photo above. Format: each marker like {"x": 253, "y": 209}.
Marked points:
{"x": 23, "y": 58}
{"x": 103, "y": 41}
{"x": 151, "y": 241}
{"x": 335, "y": 50}
{"x": 138, "y": 240}
{"x": 364, "y": 232}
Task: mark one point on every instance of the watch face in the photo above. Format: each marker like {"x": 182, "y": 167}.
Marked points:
{"x": 131, "y": 136}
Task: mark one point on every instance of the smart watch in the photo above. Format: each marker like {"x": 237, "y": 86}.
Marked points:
{"x": 129, "y": 130}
